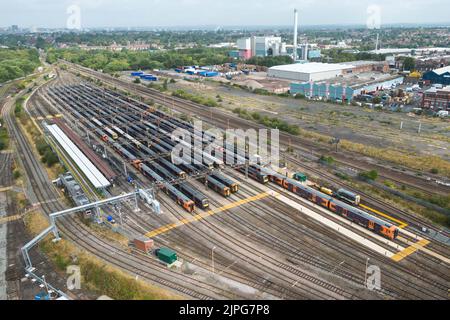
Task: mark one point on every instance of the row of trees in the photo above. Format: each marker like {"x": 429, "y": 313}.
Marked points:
{"x": 127, "y": 60}
{"x": 270, "y": 61}
{"x": 16, "y": 63}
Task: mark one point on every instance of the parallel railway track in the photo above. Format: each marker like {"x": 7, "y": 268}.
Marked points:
{"x": 303, "y": 145}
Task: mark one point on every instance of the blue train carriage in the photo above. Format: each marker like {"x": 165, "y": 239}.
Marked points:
{"x": 345, "y": 210}
{"x": 234, "y": 186}
{"x": 198, "y": 197}
{"x": 254, "y": 174}
{"x": 364, "y": 219}
{"x": 348, "y": 196}
{"x": 173, "y": 193}
{"x": 218, "y": 187}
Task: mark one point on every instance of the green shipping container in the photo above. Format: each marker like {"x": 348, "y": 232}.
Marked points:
{"x": 300, "y": 177}
{"x": 166, "y": 255}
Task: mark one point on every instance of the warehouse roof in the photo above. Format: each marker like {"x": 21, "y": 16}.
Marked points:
{"x": 311, "y": 67}
{"x": 443, "y": 70}
{"x": 361, "y": 63}
{"x": 97, "y": 179}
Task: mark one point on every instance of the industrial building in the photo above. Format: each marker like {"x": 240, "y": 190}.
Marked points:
{"x": 261, "y": 47}
{"x": 305, "y": 51}
{"x": 245, "y": 48}
{"x": 441, "y": 76}
{"x": 313, "y": 71}
{"x": 436, "y": 99}
{"x": 347, "y": 86}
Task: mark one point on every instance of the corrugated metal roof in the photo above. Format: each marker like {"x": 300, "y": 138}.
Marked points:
{"x": 89, "y": 170}
{"x": 441, "y": 71}
{"x": 312, "y": 67}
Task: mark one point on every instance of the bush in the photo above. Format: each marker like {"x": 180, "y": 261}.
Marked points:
{"x": 343, "y": 176}
{"x": 16, "y": 174}
{"x": 195, "y": 98}
{"x": 369, "y": 175}
{"x": 50, "y": 158}
{"x": 267, "y": 121}
{"x": 327, "y": 160}
{"x": 434, "y": 171}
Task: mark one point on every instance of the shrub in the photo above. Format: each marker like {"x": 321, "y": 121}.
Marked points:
{"x": 16, "y": 174}
{"x": 327, "y": 160}
{"x": 434, "y": 171}
{"x": 369, "y": 175}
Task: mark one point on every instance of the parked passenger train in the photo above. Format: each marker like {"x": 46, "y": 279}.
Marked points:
{"x": 345, "y": 210}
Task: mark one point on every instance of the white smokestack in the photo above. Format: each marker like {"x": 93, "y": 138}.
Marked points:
{"x": 295, "y": 33}
{"x": 377, "y": 43}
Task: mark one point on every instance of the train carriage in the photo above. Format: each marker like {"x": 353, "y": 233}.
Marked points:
{"x": 218, "y": 187}
{"x": 199, "y": 198}
{"x": 255, "y": 175}
{"x": 234, "y": 186}
{"x": 339, "y": 207}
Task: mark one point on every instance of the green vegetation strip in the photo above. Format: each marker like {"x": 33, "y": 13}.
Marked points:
{"x": 4, "y": 138}
{"x": 119, "y": 61}
{"x": 16, "y": 63}
{"x": 274, "y": 123}
{"x": 97, "y": 276}
{"x": 195, "y": 98}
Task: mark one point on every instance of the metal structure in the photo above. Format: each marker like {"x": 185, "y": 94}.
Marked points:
{"x": 145, "y": 195}
{"x": 295, "y": 33}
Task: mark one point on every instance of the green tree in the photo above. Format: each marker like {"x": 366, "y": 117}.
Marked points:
{"x": 409, "y": 63}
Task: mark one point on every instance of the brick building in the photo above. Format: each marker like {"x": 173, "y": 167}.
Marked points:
{"x": 436, "y": 99}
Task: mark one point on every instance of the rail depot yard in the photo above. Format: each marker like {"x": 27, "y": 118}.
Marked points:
{"x": 253, "y": 165}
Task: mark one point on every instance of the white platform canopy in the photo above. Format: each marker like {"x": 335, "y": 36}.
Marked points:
{"x": 89, "y": 170}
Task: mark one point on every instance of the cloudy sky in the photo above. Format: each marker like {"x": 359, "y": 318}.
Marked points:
{"x": 148, "y": 13}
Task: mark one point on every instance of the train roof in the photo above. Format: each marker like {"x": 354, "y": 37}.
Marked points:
{"x": 338, "y": 202}
{"x": 345, "y": 191}
{"x": 95, "y": 177}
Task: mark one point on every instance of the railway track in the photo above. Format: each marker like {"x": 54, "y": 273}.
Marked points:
{"x": 326, "y": 238}
{"x": 71, "y": 229}
{"x": 303, "y": 145}
{"x": 376, "y": 203}
{"x": 298, "y": 274}
{"x": 284, "y": 289}
{"x": 283, "y": 266}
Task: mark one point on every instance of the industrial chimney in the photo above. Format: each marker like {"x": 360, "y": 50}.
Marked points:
{"x": 295, "y": 33}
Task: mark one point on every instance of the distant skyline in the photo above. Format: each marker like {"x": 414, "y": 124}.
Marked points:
{"x": 220, "y": 13}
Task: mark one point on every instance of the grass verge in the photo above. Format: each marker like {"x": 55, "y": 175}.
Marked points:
{"x": 97, "y": 276}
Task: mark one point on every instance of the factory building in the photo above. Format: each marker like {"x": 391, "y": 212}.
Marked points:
{"x": 441, "y": 76}
{"x": 367, "y": 66}
{"x": 304, "y": 51}
{"x": 436, "y": 99}
{"x": 261, "y": 47}
{"x": 313, "y": 71}
{"x": 245, "y": 48}
{"x": 267, "y": 46}
{"x": 346, "y": 87}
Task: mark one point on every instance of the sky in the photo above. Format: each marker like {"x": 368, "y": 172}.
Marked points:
{"x": 154, "y": 13}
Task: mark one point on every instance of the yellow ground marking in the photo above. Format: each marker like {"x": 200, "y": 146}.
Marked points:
{"x": 401, "y": 223}
{"x": 205, "y": 214}
{"x": 9, "y": 219}
{"x": 410, "y": 250}
{"x": 49, "y": 117}
{"x": 3, "y": 189}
